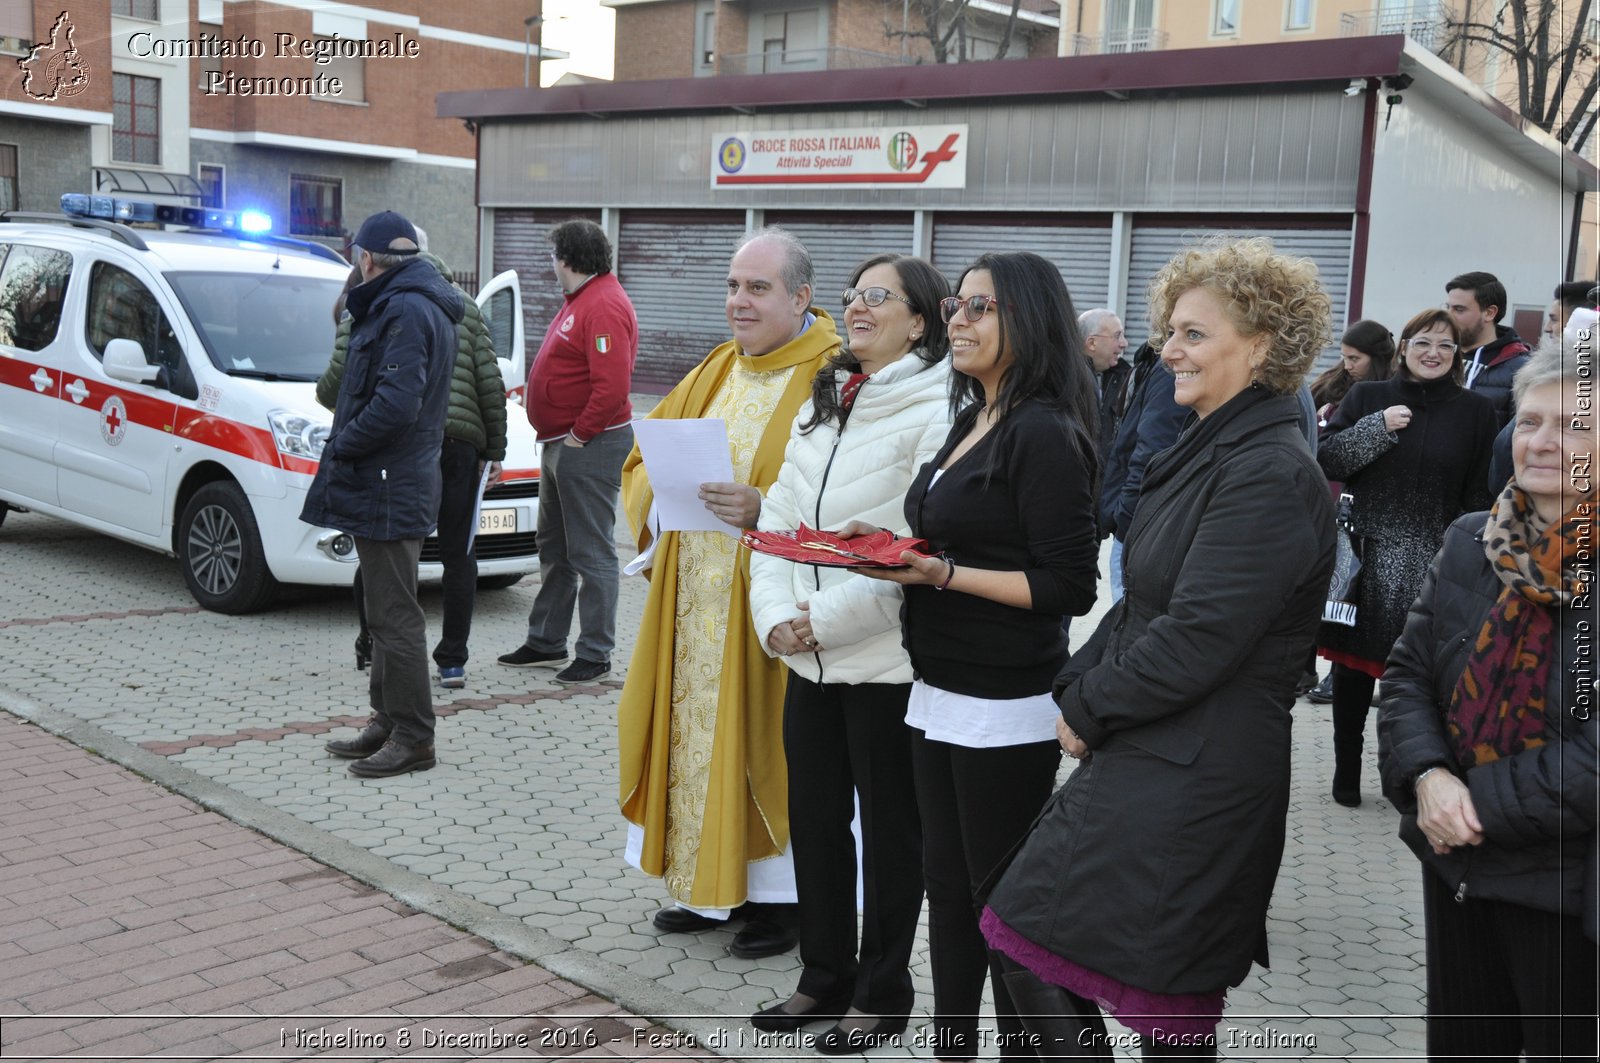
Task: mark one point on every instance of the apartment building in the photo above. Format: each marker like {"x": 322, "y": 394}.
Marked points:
{"x": 318, "y": 113}
{"x": 706, "y": 38}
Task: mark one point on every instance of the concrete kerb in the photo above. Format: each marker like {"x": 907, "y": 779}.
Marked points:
{"x": 637, "y": 994}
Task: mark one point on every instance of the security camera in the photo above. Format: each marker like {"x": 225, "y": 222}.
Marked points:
{"x": 1356, "y": 87}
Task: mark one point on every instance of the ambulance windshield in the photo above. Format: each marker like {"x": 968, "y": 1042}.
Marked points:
{"x": 263, "y": 326}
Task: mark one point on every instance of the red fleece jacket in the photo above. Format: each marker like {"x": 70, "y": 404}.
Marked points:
{"x": 581, "y": 376}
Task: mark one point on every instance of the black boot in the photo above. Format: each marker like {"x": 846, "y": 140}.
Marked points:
{"x": 1352, "y": 696}
{"x": 1062, "y": 1024}
{"x": 368, "y": 742}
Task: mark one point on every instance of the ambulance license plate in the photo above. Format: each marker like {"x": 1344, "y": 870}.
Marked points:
{"x": 497, "y": 522}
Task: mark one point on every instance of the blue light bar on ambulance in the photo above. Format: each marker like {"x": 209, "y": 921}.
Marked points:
{"x": 111, "y": 208}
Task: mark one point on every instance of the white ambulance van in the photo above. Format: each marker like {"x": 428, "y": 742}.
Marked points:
{"x": 158, "y": 385}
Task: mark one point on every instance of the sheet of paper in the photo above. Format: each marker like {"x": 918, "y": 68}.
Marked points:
{"x": 679, "y": 456}
{"x": 477, "y": 507}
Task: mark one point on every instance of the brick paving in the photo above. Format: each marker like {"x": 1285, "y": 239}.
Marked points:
{"x": 515, "y": 836}
{"x": 135, "y": 923}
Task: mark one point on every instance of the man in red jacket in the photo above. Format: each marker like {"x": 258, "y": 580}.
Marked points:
{"x": 577, "y": 401}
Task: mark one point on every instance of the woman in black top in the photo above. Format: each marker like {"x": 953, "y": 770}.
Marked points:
{"x": 1008, "y": 503}
{"x": 1413, "y": 452}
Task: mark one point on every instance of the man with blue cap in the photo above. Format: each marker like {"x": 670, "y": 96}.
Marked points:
{"x": 379, "y": 478}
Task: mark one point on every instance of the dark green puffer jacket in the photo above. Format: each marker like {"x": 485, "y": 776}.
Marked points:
{"x": 477, "y": 412}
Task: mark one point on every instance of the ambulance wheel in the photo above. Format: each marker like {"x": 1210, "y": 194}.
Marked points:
{"x": 499, "y": 583}
{"x": 219, "y": 550}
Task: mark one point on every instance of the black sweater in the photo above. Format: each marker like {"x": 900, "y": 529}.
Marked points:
{"x": 1021, "y": 499}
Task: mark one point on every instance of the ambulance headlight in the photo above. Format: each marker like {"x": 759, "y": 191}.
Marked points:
{"x": 298, "y": 436}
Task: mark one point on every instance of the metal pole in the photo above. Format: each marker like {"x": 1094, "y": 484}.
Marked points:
{"x": 905, "y": 27}
{"x": 527, "y": 47}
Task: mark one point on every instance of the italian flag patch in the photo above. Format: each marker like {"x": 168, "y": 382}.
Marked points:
{"x": 602, "y": 343}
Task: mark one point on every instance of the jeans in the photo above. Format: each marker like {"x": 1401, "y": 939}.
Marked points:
{"x": 578, "y": 488}
{"x": 458, "y": 461}
{"x": 398, "y": 685}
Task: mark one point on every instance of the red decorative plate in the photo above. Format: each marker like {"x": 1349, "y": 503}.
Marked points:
{"x": 880, "y": 549}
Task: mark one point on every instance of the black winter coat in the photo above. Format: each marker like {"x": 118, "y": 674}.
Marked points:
{"x": 1150, "y": 425}
{"x": 1154, "y": 863}
{"x": 1538, "y": 808}
{"x": 1408, "y": 486}
{"x": 1490, "y": 369}
{"x": 379, "y": 475}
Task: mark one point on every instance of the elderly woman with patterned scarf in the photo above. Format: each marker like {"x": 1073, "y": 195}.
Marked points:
{"x": 1487, "y": 741}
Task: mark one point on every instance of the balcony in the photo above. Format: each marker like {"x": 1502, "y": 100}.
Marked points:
{"x": 793, "y": 59}
{"x": 1117, "y": 42}
{"x": 1430, "y": 25}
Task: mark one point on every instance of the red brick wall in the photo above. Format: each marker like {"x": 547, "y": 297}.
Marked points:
{"x": 400, "y": 93}
{"x": 91, "y": 21}
{"x": 656, "y": 41}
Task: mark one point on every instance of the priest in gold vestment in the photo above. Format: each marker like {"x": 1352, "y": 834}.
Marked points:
{"x": 704, "y": 785}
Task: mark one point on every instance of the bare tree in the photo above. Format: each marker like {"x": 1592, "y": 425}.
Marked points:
{"x": 944, "y": 24}
{"x": 1555, "y": 61}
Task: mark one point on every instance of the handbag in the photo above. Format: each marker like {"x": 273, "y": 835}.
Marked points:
{"x": 1344, "y": 589}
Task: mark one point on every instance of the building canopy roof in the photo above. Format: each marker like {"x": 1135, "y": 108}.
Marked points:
{"x": 1260, "y": 67}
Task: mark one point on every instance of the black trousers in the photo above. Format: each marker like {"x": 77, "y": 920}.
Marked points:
{"x": 1504, "y": 979}
{"x": 458, "y": 461}
{"x": 977, "y": 804}
{"x": 841, "y": 741}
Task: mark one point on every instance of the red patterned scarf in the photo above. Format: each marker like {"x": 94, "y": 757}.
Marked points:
{"x": 1498, "y": 708}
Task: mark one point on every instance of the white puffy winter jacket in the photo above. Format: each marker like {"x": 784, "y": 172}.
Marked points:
{"x": 829, "y": 477}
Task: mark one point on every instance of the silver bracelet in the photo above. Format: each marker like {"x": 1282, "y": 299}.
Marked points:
{"x": 1418, "y": 780}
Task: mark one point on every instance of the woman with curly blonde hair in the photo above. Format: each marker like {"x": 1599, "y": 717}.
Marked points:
{"x": 1143, "y": 887}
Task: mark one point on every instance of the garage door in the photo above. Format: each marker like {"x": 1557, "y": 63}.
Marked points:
{"x": 839, "y": 243}
{"x": 1081, "y": 253}
{"x": 520, "y": 244}
{"x": 674, "y": 266}
{"x": 1154, "y": 246}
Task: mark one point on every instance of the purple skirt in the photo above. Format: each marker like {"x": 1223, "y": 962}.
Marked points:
{"x": 1157, "y": 1016}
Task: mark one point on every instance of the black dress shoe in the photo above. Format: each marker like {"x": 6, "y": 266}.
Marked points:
{"x": 839, "y": 1041}
{"x": 368, "y": 742}
{"x": 776, "y": 1020}
{"x": 762, "y": 936}
{"x": 395, "y": 758}
{"x": 676, "y": 920}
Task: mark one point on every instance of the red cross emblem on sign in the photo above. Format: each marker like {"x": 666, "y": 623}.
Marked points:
{"x": 113, "y": 421}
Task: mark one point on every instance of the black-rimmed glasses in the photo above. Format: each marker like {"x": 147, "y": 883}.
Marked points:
{"x": 873, "y": 296}
{"x": 975, "y": 306}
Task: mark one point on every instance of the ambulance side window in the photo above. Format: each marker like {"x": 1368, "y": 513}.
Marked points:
{"x": 121, "y": 308}
{"x": 33, "y": 287}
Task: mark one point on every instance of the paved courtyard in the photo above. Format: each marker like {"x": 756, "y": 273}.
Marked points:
{"x": 515, "y": 837}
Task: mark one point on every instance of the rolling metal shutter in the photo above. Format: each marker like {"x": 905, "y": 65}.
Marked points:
{"x": 674, "y": 266}
{"x": 1081, "y": 253}
{"x": 520, "y": 244}
{"x": 1153, "y": 247}
{"x": 840, "y": 243}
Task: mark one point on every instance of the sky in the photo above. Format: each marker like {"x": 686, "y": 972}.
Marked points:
{"x": 583, "y": 28}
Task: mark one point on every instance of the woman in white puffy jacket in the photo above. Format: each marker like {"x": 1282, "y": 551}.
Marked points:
{"x": 877, "y": 413}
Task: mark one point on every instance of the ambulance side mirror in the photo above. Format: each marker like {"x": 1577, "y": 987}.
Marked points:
{"x": 124, "y": 360}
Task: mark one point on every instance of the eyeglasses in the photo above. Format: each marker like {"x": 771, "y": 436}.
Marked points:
{"x": 1422, "y": 346}
{"x": 975, "y": 306}
{"x": 873, "y": 296}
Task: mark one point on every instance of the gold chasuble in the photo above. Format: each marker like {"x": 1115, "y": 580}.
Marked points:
{"x": 701, "y": 718}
